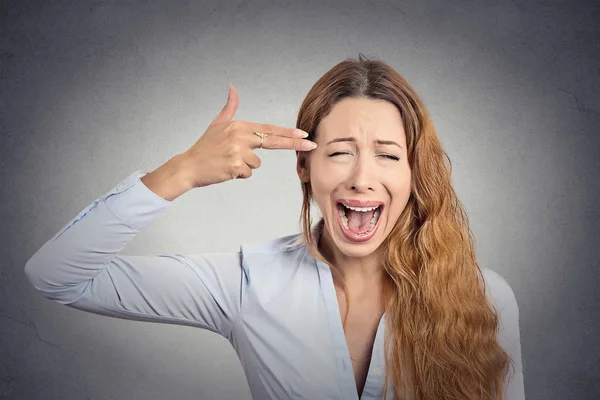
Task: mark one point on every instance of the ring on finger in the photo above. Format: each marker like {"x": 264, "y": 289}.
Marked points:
{"x": 262, "y": 137}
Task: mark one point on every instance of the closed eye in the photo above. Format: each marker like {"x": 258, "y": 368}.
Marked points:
{"x": 389, "y": 156}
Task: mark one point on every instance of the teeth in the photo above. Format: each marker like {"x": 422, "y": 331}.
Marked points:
{"x": 376, "y": 214}
{"x": 343, "y": 216}
{"x": 362, "y": 209}
{"x": 374, "y": 219}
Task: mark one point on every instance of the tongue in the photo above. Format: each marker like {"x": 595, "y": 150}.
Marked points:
{"x": 358, "y": 221}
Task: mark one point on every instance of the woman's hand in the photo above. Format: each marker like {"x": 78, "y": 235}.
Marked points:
{"x": 223, "y": 152}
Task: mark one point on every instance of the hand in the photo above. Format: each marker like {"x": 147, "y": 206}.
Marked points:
{"x": 224, "y": 151}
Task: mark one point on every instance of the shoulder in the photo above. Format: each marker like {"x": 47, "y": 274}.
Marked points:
{"x": 499, "y": 291}
{"x": 282, "y": 244}
{"x": 502, "y": 296}
{"x": 278, "y": 267}
{"x": 276, "y": 257}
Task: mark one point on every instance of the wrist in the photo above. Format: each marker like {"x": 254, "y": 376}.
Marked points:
{"x": 168, "y": 181}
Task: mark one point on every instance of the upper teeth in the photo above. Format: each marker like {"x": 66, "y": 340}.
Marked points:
{"x": 374, "y": 220}
{"x": 362, "y": 209}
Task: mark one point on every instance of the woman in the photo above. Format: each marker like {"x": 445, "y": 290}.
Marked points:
{"x": 391, "y": 265}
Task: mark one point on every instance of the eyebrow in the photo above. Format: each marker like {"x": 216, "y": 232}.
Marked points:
{"x": 351, "y": 139}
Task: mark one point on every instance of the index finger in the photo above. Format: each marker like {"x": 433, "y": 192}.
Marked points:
{"x": 277, "y": 137}
{"x": 276, "y": 130}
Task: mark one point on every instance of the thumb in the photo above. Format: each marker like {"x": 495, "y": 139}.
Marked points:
{"x": 230, "y": 107}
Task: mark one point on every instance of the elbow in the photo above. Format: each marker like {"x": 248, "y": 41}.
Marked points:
{"x": 46, "y": 279}
{"x": 38, "y": 271}
{"x": 33, "y": 269}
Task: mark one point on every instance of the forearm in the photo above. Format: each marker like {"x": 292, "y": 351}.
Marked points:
{"x": 83, "y": 248}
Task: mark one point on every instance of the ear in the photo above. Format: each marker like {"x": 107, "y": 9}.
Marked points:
{"x": 302, "y": 166}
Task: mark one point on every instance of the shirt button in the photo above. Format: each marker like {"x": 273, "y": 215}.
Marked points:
{"x": 119, "y": 186}
{"x": 377, "y": 371}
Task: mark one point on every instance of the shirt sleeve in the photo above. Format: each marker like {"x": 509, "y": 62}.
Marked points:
{"x": 508, "y": 334}
{"x": 80, "y": 267}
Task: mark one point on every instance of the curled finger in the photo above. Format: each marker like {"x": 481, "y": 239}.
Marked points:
{"x": 252, "y": 160}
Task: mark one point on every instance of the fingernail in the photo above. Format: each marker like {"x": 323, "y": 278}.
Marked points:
{"x": 300, "y": 133}
{"x": 307, "y": 144}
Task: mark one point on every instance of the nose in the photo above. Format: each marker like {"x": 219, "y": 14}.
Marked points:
{"x": 362, "y": 176}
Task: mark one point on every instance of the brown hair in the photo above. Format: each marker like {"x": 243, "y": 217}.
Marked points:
{"x": 441, "y": 329}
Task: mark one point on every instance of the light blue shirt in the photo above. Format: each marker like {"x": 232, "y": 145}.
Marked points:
{"x": 273, "y": 301}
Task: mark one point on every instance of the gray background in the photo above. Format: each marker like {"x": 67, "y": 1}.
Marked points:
{"x": 92, "y": 91}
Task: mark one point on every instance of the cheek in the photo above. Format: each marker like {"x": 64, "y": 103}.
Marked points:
{"x": 400, "y": 190}
{"x": 401, "y": 201}
{"x": 327, "y": 177}
{"x": 322, "y": 187}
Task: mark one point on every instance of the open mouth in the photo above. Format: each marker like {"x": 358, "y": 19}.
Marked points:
{"x": 358, "y": 223}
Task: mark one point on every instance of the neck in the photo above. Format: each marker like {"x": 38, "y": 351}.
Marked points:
{"x": 356, "y": 271}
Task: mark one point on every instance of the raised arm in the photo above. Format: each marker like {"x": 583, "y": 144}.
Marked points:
{"x": 80, "y": 267}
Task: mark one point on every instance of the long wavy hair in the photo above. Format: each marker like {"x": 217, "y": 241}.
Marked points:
{"x": 441, "y": 329}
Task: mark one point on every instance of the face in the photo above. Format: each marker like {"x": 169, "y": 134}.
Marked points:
{"x": 359, "y": 168}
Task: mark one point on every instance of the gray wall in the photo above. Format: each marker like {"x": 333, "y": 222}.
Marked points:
{"x": 92, "y": 91}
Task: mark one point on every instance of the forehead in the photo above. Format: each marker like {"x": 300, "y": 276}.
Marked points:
{"x": 362, "y": 117}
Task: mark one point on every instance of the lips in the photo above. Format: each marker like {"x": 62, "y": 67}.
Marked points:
{"x": 360, "y": 203}
{"x": 349, "y": 235}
